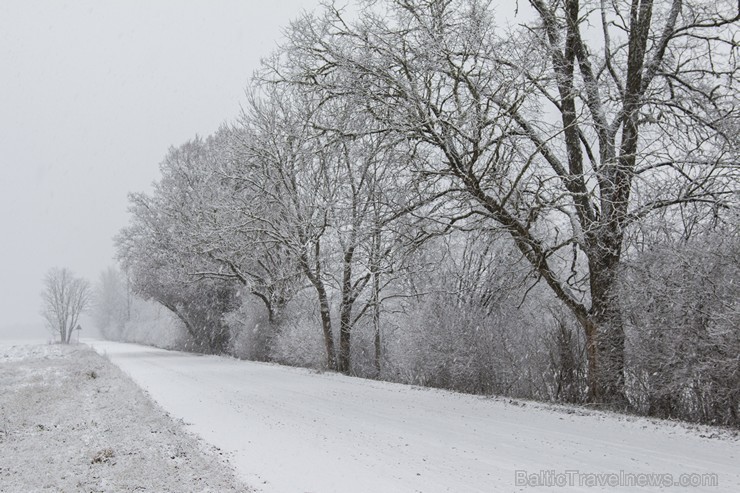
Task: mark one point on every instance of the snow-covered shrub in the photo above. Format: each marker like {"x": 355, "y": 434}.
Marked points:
{"x": 251, "y": 331}
{"x": 566, "y": 379}
{"x": 363, "y": 349}
{"x": 152, "y": 324}
{"x": 467, "y": 348}
{"x": 299, "y": 340}
{"x": 683, "y": 337}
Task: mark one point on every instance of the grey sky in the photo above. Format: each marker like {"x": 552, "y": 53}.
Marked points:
{"x": 92, "y": 93}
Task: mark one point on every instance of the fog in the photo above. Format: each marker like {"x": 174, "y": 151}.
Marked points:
{"x": 92, "y": 94}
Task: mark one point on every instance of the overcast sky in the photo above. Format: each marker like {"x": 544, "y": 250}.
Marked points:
{"x": 92, "y": 94}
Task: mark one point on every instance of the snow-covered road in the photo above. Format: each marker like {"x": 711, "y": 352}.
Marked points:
{"x": 293, "y": 430}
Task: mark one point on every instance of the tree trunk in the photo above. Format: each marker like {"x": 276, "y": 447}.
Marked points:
{"x": 315, "y": 278}
{"x": 345, "y": 334}
{"x": 68, "y": 335}
{"x": 375, "y": 268}
{"x": 345, "y": 313}
{"x": 376, "y": 323}
{"x": 605, "y": 335}
{"x": 331, "y": 362}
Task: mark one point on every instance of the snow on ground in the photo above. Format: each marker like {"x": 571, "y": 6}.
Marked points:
{"x": 72, "y": 421}
{"x": 294, "y": 430}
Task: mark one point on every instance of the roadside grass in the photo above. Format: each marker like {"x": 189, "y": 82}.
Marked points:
{"x": 72, "y": 421}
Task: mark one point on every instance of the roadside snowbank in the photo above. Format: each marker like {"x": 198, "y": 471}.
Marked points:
{"x": 72, "y": 421}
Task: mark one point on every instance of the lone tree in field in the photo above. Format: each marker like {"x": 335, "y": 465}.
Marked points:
{"x": 64, "y": 298}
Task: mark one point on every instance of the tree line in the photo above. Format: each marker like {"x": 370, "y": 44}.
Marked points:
{"x": 418, "y": 193}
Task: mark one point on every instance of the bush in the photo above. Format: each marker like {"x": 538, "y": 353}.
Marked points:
{"x": 152, "y": 324}
{"x": 299, "y": 340}
{"x": 683, "y": 341}
{"x": 473, "y": 349}
{"x": 251, "y": 332}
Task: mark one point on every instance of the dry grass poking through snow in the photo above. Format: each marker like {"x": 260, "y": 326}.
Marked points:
{"x": 71, "y": 421}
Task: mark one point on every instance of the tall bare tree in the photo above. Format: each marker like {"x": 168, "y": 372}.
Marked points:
{"x": 64, "y": 298}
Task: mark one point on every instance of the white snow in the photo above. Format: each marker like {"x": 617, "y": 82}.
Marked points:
{"x": 294, "y": 430}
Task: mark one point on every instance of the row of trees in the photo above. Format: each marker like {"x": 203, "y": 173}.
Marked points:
{"x": 467, "y": 205}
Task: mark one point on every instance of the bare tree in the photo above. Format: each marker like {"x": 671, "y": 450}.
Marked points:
{"x": 205, "y": 205}
{"x": 64, "y": 298}
{"x": 160, "y": 267}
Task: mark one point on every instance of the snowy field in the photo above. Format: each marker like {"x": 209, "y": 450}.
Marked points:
{"x": 71, "y": 421}
{"x": 294, "y": 430}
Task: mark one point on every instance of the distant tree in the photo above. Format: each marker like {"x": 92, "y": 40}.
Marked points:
{"x": 64, "y": 298}
{"x": 111, "y": 305}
